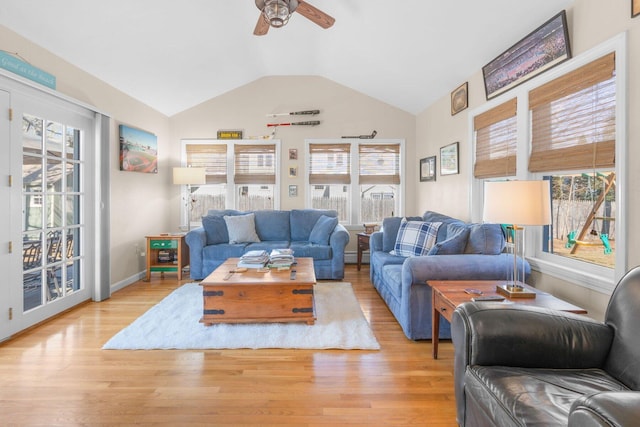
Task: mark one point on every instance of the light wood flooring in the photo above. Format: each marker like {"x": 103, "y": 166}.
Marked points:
{"x": 57, "y": 374}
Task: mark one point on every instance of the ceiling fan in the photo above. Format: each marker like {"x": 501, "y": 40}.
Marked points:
{"x": 276, "y": 13}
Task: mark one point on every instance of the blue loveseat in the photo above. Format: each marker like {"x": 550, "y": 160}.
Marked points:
{"x": 462, "y": 251}
{"x": 308, "y": 232}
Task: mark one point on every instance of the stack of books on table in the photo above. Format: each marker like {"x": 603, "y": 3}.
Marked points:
{"x": 254, "y": 259}
{"x": 281, "y": 258}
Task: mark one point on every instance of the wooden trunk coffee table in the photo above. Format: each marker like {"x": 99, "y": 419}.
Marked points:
{"x": 252, "y": 296}
{"x": 448, "y": 294}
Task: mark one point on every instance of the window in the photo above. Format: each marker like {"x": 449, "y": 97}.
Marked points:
{"x": 573, "y": 120}
{"x": 566, "y": 126}
{"x": 240, "y": 175}
{"x": 330, "y": 176}
{"x": 374, "y": 168}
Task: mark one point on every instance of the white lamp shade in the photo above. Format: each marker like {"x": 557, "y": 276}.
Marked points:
{"x": 517, "y": 202}
{"x": 192, "y": 176}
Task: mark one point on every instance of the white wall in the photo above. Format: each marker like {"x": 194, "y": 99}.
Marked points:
{"x": 591, "y": 22}
{"x": 343, "y": 111}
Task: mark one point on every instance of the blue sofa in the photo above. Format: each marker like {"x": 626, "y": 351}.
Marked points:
{"x": 297, "y": 229}
{"x": 462, "y": 251}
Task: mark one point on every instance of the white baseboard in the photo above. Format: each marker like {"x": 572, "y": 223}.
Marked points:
{"x": 128, "y": 281}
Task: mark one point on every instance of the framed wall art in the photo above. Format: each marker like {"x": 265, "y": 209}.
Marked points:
{"x": 460, "y": 98}
{"x": 293, "y": 172}
{"x": 635, "y": 8}
{"x": 544, "y": 48}
{"x": 293, "y": 154}
{"x": 449, "y": 159}
{"x": 293, "y": 191}
{"x": 138, "y": 150}
{"x": 428, "y": 169}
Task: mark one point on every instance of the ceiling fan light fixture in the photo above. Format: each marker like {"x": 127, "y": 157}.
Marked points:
{"x": 276, "y": 12}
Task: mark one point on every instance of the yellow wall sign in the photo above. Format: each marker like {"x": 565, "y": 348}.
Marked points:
{"x": 229, "y": 134}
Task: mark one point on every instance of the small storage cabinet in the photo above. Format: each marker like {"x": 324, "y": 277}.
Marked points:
{"x": 166, "y": 253}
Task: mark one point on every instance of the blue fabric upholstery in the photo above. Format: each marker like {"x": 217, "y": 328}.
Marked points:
{"x": 276, "y": 230}
{"x": 456, "y": 242}
{"x": 322, "y": 229}
{"x": 402, "y": 281}
{"x": 415, "y": 238}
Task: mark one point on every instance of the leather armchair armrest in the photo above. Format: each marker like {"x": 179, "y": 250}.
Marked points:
{"x": 614, "y": 408}
{"x": 529, "y": 337}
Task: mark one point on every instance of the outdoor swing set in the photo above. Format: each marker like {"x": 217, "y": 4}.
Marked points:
{"x": 574, "y": 242}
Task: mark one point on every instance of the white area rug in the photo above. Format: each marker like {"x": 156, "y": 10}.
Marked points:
{"x": 174, "y": 324}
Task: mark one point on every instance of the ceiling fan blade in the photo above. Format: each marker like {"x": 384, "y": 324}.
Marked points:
{"x": 262, "y": 26}
{"x": 314, "y": 14}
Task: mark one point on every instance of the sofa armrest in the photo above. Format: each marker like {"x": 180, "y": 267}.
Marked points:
{"x": 196, "y": 239}
{"x": 375, "y": 241}
{"x": 613, "y": 408}
{"x": 491, "y": 334}
{"x": 339, "y": 238}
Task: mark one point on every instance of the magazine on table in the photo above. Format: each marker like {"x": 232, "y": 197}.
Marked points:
{"x": 281, "y": 258}
{"x": 254, "y": 259}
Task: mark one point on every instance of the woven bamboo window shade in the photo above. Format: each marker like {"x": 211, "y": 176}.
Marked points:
{"x": 255, "y": 164}
{"x": 496, "y": 141}
{"x": 212, "y": 157}
{"x": 329, "y": 163}
{"x": 379, "y": 164}
{"x": 573, "y": 119}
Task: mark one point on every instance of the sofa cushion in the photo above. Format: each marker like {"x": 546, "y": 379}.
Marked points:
{"x": 215, "y": 229}
{"x": 455, "y": 243}
{"x": 267, "y": 245}
{"x": 415, "y": 238}
{"x": 322, "y": 230}
{"x": 223, "y": 251}
{"x": 306, "y": 249}
{"x": 430, "y": 216}
{"x": 303, "y": 220}
{"x": 485, "y": 239}
{"x": 241, "y": 228}
{"x": 272, "y": 225}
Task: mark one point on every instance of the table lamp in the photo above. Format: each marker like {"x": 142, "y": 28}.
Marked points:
{"x": 189, "y": 177}
{"x": 518, "y": 203}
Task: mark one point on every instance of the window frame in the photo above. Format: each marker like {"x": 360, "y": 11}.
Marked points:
{"x": 583, "y": 274}
{"x": 231, "y": 185}
{"x": 354, "y": 187}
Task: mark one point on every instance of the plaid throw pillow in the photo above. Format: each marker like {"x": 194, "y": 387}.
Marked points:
{"x": 415, "y": 238}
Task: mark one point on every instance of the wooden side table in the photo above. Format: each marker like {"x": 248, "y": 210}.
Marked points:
{"x": 166, "y": 252}
{"x": 363, "y": 245}
{"x": 448, "y": 294}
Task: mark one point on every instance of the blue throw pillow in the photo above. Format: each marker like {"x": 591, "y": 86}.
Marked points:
{"x": 216, "y": 229}
{"x": 322, "y": 230}
{"x": 415, "y": 238}
{"x": 457, "y": 236}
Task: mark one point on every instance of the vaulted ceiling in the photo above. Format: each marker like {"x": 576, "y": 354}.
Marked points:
{"x": 173, "y": 55}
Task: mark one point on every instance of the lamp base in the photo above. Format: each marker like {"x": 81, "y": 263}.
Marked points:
{"x": 514, "y": 290}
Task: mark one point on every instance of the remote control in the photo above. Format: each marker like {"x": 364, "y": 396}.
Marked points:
{"x": 488, "y": 298}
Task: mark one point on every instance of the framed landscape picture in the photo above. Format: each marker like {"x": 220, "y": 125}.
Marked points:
{"x": 635, "y": 8}
{"x": 428, "y": 169}
{"x": 138, "y": 150}
{"x": 544, "y": 48}
{"x": 449, "y": 159}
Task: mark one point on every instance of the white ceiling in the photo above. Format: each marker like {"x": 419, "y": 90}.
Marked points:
{"x": 175, "y": 54}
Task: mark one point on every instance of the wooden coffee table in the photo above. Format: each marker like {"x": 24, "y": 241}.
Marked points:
{"x": 448, "y": 294}
{"x": 258, "y": 297}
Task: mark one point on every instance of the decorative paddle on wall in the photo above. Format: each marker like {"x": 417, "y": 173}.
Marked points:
{"x": 276, "y": 13}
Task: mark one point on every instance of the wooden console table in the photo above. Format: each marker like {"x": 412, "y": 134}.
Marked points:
{"x": 448, "y": 294}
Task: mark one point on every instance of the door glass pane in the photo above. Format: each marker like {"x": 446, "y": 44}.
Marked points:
{"x": 32, "y": 135}
{"x": 54, "y": 139}
{"x": 54, "y": 211}
{"x": 71, "y": 140}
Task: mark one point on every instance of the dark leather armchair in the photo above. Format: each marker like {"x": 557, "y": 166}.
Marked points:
{"x": 523, "y": 366}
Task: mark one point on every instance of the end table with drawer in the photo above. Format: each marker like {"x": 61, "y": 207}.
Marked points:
{"x": 448, "y": 294}
{"x": 166, "y": 253}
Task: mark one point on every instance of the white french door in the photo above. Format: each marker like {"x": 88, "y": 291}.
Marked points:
{"x": 5, "y": 231}
{"x": 50, "y": 214}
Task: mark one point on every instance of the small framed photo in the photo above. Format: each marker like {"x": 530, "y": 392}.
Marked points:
{"x": 293, "y": 171}
{"x": 449, "y": 159}
{"x": 293, "y": 154}
{"x": 460, "y": 98}
{"x": 428, "y": 169}
{"x": 293, "y": 191}
{"x": 635, "y": 8}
